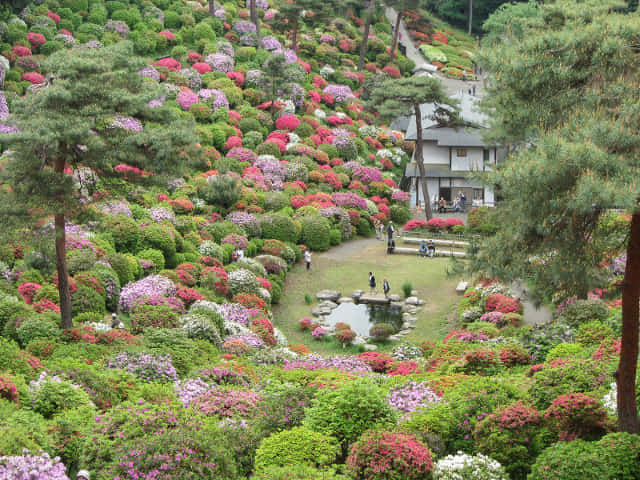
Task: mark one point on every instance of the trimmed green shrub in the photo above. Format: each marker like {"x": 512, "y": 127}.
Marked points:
{"x": 153, "y": 316}
{"x": 577, "y": 460}
{"x": 86, "y": 299}
{"x": 298, "y": 446}
{"x": 125, "y": 232}
{"x": 381, "y": 331}
{"x": 37, "y": 327}
{"x": 154, "y": 256}
{"x": 223, "y": 190}
{"x": 347, "y": 412}
{"x": 159, "y": 237}
{"x": 53, "y": 397}
{"x": 280, "y": 227}
{"x": 583, "y": 311}
{"x": 297, "y": 472}
{"x": 315, "y": 232}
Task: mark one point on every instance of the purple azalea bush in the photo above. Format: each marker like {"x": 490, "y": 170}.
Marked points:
{"x": 411, "y": 397}
{"x": 147, "y": 287}
{"x": 350, "y": 364}
{"x": 32, "y": 467}
{"x": 146, "y": 367}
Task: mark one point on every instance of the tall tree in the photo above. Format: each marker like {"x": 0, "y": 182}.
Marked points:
{"x": 565, "y": 89}
{"x": 403, "y": 96}
{"x": 90, "y": 116}
{"x": 253, "y": 12}
{"x": 291, "y": 12}
{"x": 365, "y": 35}
{"x": 400, "y": 6}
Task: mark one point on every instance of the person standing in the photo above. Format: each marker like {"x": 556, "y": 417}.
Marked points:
{"x": 463, "y": 201}
{"x": 456, "y": 205}
{"x": 307, "y": 259}
{"x": 390, "y": 230}
{"x": 372, "y": 282}
{"x": 431, "y": 248}
{"x": 386, "y": 287}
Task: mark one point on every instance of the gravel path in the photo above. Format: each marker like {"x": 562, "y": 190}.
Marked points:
{"x": 450, "y": 85}
{"x": 351, "y": 248}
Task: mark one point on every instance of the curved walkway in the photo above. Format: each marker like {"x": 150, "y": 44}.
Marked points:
{"x": 451, "y": 86}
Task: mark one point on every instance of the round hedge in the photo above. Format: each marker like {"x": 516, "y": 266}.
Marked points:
{"x": 316, "y": 232}
{"x": 280, "y": 227}
{"x": 298, "y": 446}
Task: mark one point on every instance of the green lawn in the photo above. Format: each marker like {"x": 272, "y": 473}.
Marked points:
{"x": 346, "y": 269}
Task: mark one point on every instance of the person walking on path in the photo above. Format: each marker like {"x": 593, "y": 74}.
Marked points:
{"x": 463, "y": 200}
{"x": 307, "y": 259}
{"x": 386, "y": 287}
{"x": 372, "y": 282}
{"x": 390, "y": 230}
{"x": 391, "y": 246}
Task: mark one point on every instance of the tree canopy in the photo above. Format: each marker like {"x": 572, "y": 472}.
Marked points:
{"x": 564, "y": 91}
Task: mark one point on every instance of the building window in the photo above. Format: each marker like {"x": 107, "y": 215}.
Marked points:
{"x": 461, "y": 152}
{"x": 485, "y": 155}
{"x": 478, "y": 194}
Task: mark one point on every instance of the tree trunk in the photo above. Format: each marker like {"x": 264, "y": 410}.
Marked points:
{"x": 211, "y": 9}
{"x": 470, "y": 15}
{"x": 396, "y": 35}
{"x": 626, "y": 373}
{"x": 61, "y": 259}
{"x": 256, "y": 21}
{"x": 365, "y": 35}
{"x": 420, "y": 161}
{"x": 294, "y": 40}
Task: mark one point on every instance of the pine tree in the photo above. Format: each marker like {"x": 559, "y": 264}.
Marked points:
{"x": 403, "y": 96}
{"x": 564, "y": 89}
{"x": 400, "y": 6}
{"x": 89, "y": 116}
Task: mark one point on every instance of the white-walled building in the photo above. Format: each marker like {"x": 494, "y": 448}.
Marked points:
{"x": 452, "y": 155}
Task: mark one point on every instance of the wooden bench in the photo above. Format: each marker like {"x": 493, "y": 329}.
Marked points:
{"x": 438, "y": 252}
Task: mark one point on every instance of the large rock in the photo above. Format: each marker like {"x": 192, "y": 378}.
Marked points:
{"x": 359, "y": 340}
{"x": 412, "y": 301}
{"x": 328, "y": 304}
{"x": 394, "y": 298}
{"x": 368, "y": 347}
{"x": 375, "y": 298}
{"x": 357, "y": 294}
{"x": 345, "y": 300}
{"x": 462, "y": 287}
{"x": 328, "y": 295}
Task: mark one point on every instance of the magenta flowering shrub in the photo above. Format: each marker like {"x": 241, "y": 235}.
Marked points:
{"x": 250, "y": 339}
{"x": 238, "y": 241}
{"x": 146, "y": 367}
{"x": 577, "y": 415}
{"x": 242, "y": 155}
{"x": 381, "y": 455}
{"x": 318, "y": 333}
{"x": 349, "y": 200}
{"x": 186, "y": 98}
{"x": 400, "y": 196}
{"x": 350, "y": 364}
{"x": 190, "y": 389}
{"x": 497, "y": 318}
{"x": 227, "y": 403}
{"x": 367, "y": 174}
{"x": 154, "y": 285}
{"x": 340, "y": 93}
{"x": 32, "y": 467}
{"x": 411, "y": 397}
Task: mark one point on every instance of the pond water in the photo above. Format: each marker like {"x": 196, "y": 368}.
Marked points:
{"x": 361, "y": 317}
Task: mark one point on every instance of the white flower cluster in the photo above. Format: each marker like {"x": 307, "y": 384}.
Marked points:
{"x": 394, "y": 154}
{"x": 610, "y": 400}
{"x": 210, "y": 249}
{"x": 406, "y": 351}
{"x": 243, "y": 281}
{"x": 368, "y": 130}
{"x": 326, "y": 71}
{"x": 199, "y": 327}
{"x": 468, "y": 467}
{"x": 320, "y": 114}
{"x": 99, "y": 326}
{"x": 254, "y": 266}
{"x": 494, "y": 288}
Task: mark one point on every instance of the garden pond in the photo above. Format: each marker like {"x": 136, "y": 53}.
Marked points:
{"x": 361, "y": 317}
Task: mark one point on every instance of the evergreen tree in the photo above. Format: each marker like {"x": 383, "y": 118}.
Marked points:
{"x": 403, "y": 96}
{"x": 89, "y": 116}
{"x": 365, "y": 35}
{"x": 565, "y": 91}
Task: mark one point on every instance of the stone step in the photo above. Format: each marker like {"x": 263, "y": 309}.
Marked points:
{"x": 375, "y": 298}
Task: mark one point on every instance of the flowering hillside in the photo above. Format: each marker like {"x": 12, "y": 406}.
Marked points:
{"x": 276, "y": 155}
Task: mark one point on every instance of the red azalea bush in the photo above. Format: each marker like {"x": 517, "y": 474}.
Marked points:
{"x": 21, "y": 51}
{"x": 287, "y": 122}
{"x": 503, "y": 304}
{"x": 53, "y": 16}
{"x": 33, "y": 77}
{"x": 511, "y": 355}
{"x": 435, "y": 224}
{"x": 227, "y": 403}
{"x": 8, "y": 389}
{"x": 264, "y": 329}
{"x": 407, "y": 367}
{"x": 182, "y": 205}
{"x": 378, "y": 361}
{"x": 118, "y": 337}
{"x": 381, "y": 455}
{"x": 345, "y": 336}
{"x": 250, "y": 301}
{"x": 392, "y": 71}
{"x": 28, "y": 291}
{"x": 452, "y": 222}
{"x": 188, "y": 295}
{"x": 577, "y": 415}
{"x": 413, "y": 224}
{"x": 36, "y": 39}
{"x": 168, "y": 35}
{"x": 84, "y": 334}
{"x": 481, "y": 362}
{"x": 170, "y": 63}
{"x": 46, "y": 305}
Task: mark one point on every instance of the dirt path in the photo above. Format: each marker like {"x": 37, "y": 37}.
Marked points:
{"x": 450, "y": 85}
{"x": 349, "y": 249}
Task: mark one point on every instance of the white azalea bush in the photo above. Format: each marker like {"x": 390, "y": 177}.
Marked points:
{"x": 200, "y": 327}
{"x": 243, "y": 281}
{"x": 211, "y": 249}
{"x": 462, "y": 466}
